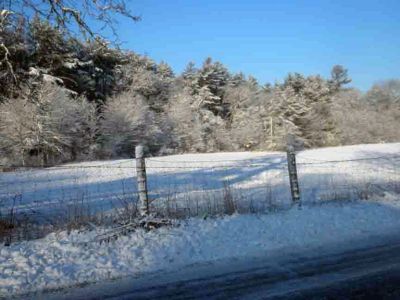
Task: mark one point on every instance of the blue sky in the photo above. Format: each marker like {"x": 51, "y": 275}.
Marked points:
{"x": 268, "y": 39}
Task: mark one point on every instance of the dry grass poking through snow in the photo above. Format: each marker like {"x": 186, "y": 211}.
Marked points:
{"x": 76, "y": 196}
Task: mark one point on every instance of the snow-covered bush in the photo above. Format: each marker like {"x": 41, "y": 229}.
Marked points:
{"x": 127, "y": 121}
{"x": 46, "y": 126}
{"x": 358, "y": 121}
{"x": 195, "y": 129}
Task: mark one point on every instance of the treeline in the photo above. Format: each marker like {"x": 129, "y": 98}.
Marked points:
{"x": 63, "y": 99}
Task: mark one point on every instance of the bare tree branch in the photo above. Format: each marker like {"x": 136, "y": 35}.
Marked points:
{"x": 5, "y": 53}
{"x": 67, "y": 15}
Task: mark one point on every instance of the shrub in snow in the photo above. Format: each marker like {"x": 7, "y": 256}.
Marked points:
{"x": 46, "y": 126}
{"x": 127, "y": 121}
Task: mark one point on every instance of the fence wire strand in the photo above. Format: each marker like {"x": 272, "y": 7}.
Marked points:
{"x": 189, "y": 188}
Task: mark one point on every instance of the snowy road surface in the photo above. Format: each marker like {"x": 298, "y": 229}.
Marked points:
{"x": 361, "y": 272}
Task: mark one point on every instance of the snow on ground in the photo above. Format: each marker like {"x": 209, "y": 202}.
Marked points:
{"x": 62, "y": 260}
{"x": 196, "y": 181}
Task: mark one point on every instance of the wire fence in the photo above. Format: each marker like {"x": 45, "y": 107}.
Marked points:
{"x": 107, "y": 190}
{"x": 355, "y": 179}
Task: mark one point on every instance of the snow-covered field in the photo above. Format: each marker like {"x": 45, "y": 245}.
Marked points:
{"x": 196, "y": 182}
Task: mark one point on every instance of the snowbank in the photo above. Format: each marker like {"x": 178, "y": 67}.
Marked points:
{"x": 61, "y": 260}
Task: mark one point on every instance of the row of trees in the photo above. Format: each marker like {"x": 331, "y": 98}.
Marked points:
{"x": 65, "y": 99}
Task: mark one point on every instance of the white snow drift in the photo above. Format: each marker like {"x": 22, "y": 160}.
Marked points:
{"x": 61, "y": 260}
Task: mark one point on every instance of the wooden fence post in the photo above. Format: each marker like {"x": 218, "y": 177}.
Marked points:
{"x": 141, "y": 181}
{"x": 293, "y": 178}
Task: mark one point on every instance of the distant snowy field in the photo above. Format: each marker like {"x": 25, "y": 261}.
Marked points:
{"x": 196, "y": 181}
{"x": 61, "y": 259}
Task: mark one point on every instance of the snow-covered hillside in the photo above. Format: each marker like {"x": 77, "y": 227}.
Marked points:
{"x": 197, "y": 180}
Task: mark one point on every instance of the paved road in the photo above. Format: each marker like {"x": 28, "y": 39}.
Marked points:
{"x": 361, "y": 273}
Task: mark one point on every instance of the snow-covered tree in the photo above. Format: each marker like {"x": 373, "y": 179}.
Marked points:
{"x": 359, "y": 121}
{"x": 165, "y": 70}
{"x": 245, "y": 121}
{"x": 194, "y": 128}
{"x": 47, "y": 126}
{"x": 339, "y": 77}
{"x": 384, "y": 94}
{"x": 237, "y": 79}
{"x": 127, "y": 121}
{"x": 208, "y": 83}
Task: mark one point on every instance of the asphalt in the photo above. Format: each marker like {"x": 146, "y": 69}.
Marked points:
{"x": 359, "y": 272}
